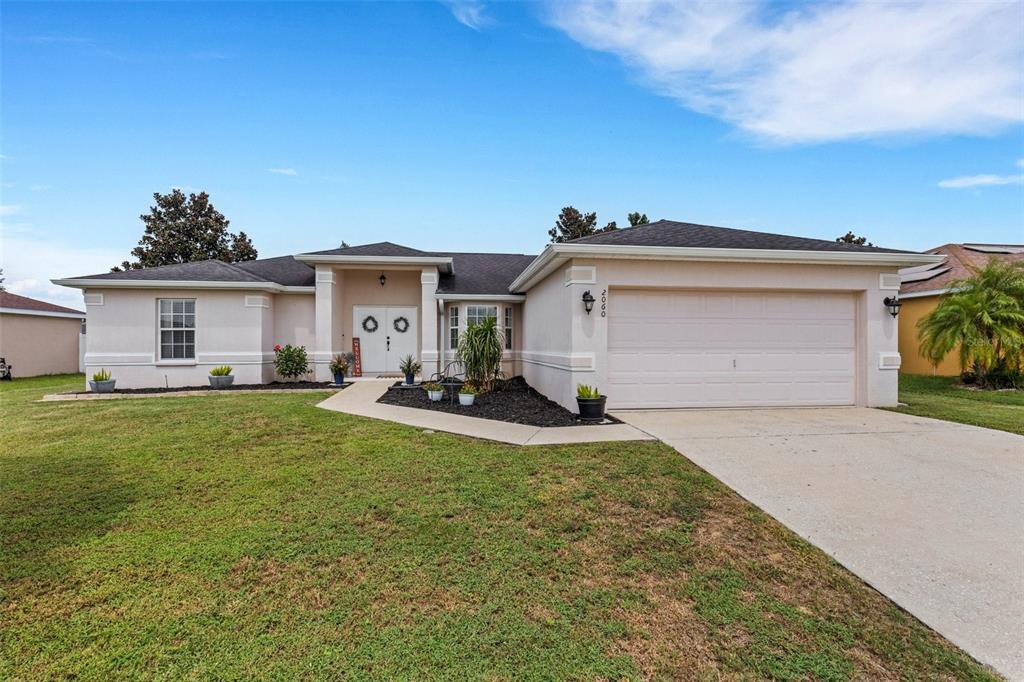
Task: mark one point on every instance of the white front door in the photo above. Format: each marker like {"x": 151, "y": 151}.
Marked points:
{"x": 730, "y": 349}
{"x": 386, "y": 335}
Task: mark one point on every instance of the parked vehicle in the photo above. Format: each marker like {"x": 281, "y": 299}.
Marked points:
{"x": 434, "y": 391}
{"x": 591, "y": 404}
{"x": 221, "y": 377}
{"x": 409, "y": 367}
{"x": 102, "y": 382}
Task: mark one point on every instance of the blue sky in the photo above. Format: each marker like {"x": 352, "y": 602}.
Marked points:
{"x": 468, "y": 126}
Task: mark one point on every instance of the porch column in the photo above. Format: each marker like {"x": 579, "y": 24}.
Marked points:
{"x": 321, "y": 356}
{"x": 429, "y": 355}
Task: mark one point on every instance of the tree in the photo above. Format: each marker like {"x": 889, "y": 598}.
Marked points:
{"x": 851, "y": 238}
{"x": 571, "y": 224}
{"x": 2, "y": 287}
{"x": 182, "y": 229}
{"x": 983, "y": 319}
{"x": 637, "y": 219}
{"x": 344, "y": 244}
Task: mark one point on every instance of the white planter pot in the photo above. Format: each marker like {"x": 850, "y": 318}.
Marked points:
{"x": 466, "y": 399}
{"x": 435, "y": 396}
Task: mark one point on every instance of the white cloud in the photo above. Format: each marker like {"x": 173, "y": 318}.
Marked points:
{"x": 30, "y": 263}
{"x": 981, "y": 181}
{"x": 283, "y": 171}
{"x": 9, "y": 209}
{"x": 820, "y": 72}
{"x": 471, "y": 13}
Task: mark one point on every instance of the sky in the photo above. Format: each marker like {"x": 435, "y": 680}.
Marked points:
{"x": 467, "y": 126}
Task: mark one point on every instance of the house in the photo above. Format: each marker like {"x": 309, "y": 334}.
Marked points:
{"x": 682, "y": 315}
{"x": 922, "y": 287}
{"x": 37, "y": 337}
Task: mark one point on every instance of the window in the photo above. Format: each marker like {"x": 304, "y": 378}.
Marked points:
{"x": 508, "y": 327}
{"x": 177, "y": 328}
{"x": 475, "y": 314}
{"x": 453, "y": 327}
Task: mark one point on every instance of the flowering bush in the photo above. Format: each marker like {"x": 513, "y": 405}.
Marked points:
{"x": 290, "y": 361}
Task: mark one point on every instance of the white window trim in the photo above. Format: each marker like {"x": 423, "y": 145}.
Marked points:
{"x": 508, "y": 328}
{"x": 458, "y": 327}
{"x": 475, "y": 305}
{"x": 160, "y": 360}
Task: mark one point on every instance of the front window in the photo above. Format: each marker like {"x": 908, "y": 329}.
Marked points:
{"x": 508, "y": 327}
{"x": 475, "y": 314}
{"x": 453, "y": 327}
{"x": 177, "y": 328}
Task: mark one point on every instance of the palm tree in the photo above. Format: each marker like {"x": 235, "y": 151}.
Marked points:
{"x": 983, "y": 318}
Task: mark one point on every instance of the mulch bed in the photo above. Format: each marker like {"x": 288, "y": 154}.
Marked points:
{"x": 273, "y": 386}
{"x": 511, "y": 401}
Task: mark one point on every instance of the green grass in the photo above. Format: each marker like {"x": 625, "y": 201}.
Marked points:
{"x": 254, "y": 536}
{"x": 944, "y": 398}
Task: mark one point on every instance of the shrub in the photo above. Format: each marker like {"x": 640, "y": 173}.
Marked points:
{"x": 222, "y": 371}
{"x": 290, "y": 361}
{"x": 587, "y": 392}
{"x": 409, "y": 365}
{"x": 433, "y": 387}
{"x": 480, "y": 353}
{"x": 468, "y": 389}
{"x": 102, "y": 375}
{"x": 341, "y": 363}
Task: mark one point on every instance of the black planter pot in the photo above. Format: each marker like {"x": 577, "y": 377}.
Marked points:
{"x": 410, "y": 378}
{"x": 591, "y": 409}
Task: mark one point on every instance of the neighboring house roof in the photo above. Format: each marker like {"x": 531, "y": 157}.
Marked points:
{"x": 690, "y": 235}
{"x": 14, "y": 303}
{"x": 961, "y": 261}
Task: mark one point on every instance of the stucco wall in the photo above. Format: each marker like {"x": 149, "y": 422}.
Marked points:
{"x": 362, "y": 287}
{"x": 235, "y": 328}
{"x": 564, "y": 346}
{"x": 913, "y": 310}
{"x": 35, "y": 345}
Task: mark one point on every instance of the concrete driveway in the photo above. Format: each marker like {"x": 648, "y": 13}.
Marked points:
{"x": 930, "y": 513}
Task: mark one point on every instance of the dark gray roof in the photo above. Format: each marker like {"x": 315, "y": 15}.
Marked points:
{"x": 482, "y": 273}
{"x": 689, "y": 235}
{"x": 199, "y": 271}
{"x": 284, "y": 270}
{"x": 383, "y": 249}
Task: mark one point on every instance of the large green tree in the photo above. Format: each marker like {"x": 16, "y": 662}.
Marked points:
{"x": 637, "y": 218}
{"x": 571, "y": 224}
{"x": 851, "y": 238}
{"x": 182, "y": 229}
{"x": 982, "y": 319}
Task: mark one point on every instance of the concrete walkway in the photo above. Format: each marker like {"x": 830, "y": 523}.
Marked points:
{"x": 361, "y": 399}
{"x": 928, "y": 512}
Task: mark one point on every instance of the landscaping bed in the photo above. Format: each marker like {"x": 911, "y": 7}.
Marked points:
{"x": 272, "y": 386}
{"x": 512, "y": 401}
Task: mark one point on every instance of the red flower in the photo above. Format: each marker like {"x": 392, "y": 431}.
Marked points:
{"x": 277, "y": 347}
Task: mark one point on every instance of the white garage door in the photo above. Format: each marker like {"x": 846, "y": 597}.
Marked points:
{"x": 729, "y": 349}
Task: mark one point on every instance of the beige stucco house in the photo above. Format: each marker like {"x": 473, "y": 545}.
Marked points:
{"x": 683, "y": 315}
{"x": 37, "y": 337}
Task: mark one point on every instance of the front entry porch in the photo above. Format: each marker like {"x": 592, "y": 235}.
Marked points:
{"x": 386, "y": 334}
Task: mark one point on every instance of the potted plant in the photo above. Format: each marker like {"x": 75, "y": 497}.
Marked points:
{"x": 434, "y": 391}
{"x": 101, "y": 382}
{"x": 339, "y": 366}
{"x": 467, "y": 394}
{"x": 221, "y": 377}
{"x": 591, "y": 404}
{"x": 409, "y": 367}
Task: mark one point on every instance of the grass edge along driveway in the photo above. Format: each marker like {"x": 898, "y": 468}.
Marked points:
{"x": 252, "y": 535}
{"x": 944, "y": 398}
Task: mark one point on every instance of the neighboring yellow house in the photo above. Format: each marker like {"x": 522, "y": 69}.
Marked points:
{"x": 924, "y": 285}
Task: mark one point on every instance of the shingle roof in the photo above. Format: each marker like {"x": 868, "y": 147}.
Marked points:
{"x": 284, "y": 270}
{"x": 960, "y": 261}
{"x": 690, "y": 235}
{"x": 383, "y": 249}
{"x": 9, "y": 300}
{"x": 482, "y": 273}
{"x": 199, "y": 271}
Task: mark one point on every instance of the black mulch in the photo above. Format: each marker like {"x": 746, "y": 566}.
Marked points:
{"x": 274, "y": 385}
{"x": 511, "y": 401}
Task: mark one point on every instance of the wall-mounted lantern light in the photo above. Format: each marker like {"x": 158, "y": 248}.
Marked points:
{"x": 383, "y": 278}
{"x": 588, "y": 301}
{"x": 893, "y": 303}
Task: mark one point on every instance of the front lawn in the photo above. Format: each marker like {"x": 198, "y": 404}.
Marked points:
{"x": 249, "y": 535}
{"x": 944, "y": 398}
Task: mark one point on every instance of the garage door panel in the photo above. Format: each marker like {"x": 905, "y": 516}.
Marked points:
{"x": 721, "y": 349}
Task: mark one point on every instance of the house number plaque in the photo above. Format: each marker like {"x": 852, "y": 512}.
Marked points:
{"x": 604, "y": 303}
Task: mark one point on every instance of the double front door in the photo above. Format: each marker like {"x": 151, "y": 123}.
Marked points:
{"x": 386, "y": 335}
